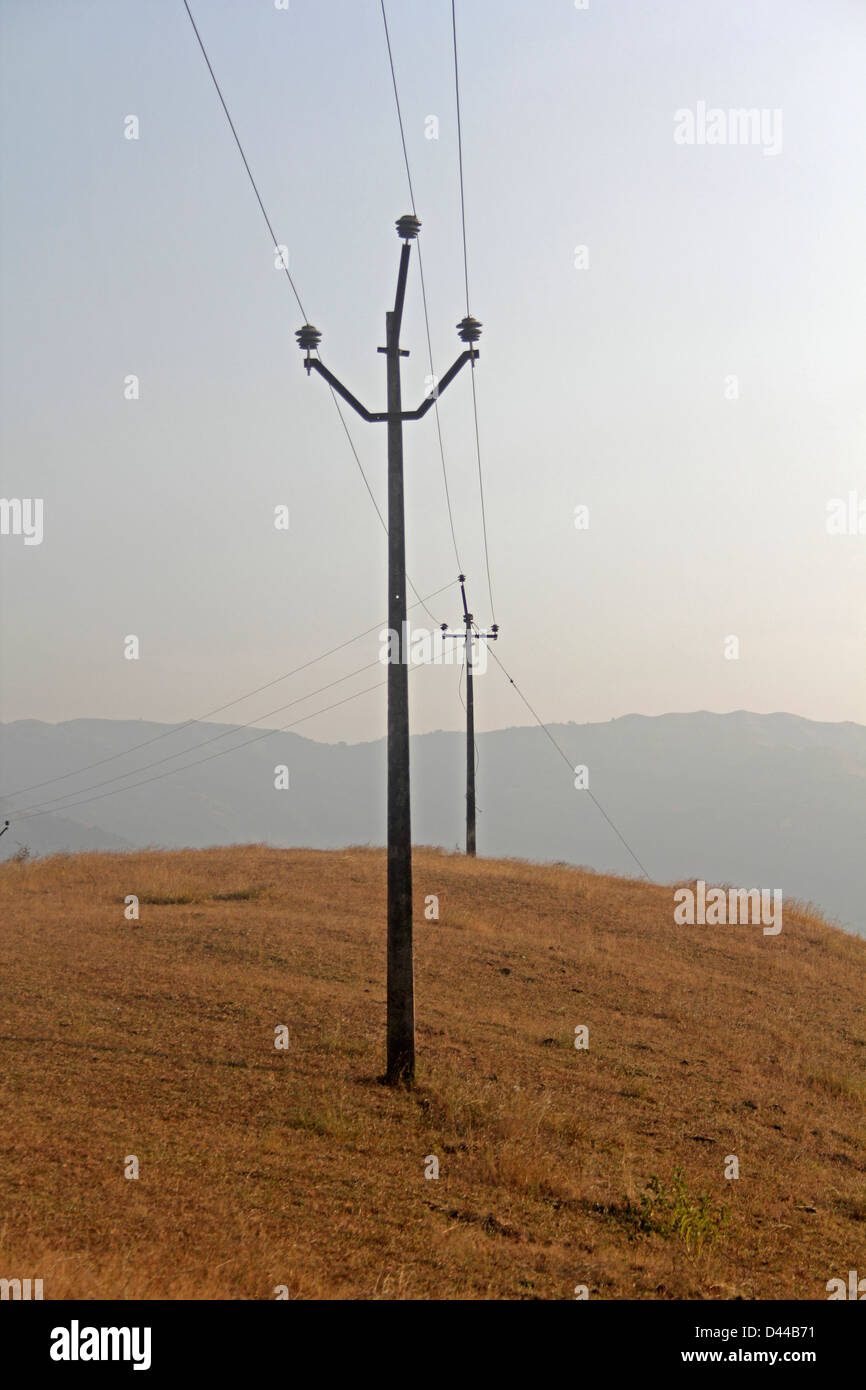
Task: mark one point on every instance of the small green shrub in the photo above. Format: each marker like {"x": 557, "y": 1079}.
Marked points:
{"x": 674, "y": 1211}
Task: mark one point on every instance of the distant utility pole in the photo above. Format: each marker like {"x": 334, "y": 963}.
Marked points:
{"x": 401, "y": 984}
{"x": 468, "y": 637}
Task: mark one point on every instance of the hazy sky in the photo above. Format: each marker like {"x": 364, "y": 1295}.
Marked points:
{"x": 606, "y": 386}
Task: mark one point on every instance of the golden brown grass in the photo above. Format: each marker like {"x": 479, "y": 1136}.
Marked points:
{"x": 261, "y": 1168}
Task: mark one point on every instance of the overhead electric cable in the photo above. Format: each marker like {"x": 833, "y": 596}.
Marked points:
{"x": 466, "y": 280}
{"x": 423, "y": 287}
{"x": 239, "y": 699}
{"x": 460, "y": 153}
{"x": 244, "y": 158}
{"x": 291, "y": 282}
{"x": 226, "y": 733}
{"x": 561, "y": 751}
{"x": 210, "y": 756}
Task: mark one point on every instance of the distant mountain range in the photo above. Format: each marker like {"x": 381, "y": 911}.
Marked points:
{"x": 751, "y": 800}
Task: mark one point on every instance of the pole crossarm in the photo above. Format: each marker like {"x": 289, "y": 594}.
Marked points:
{"x": 491, "y": 636}
{"x": 341, "y": 390}
{"x": 468, "y": 356}
{"x": 379, "y": 416}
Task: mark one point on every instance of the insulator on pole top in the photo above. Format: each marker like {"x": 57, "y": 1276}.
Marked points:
{"x": 408, "y": 227}
{"x": 308, "y": 338}
{"x": 308, "y": 341}
{"x": 469, "y": 329}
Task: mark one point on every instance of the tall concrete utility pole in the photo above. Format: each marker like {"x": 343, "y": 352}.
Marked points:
{"x": 468, "y": 636}
{"x": 401, "y": 984}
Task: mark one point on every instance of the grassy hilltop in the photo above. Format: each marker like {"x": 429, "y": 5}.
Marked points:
{"x": 558, "y": 1166}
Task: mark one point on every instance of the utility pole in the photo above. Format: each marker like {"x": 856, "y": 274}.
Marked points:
{"x": 468, "y": 636}
{"x": 401, "y": 984}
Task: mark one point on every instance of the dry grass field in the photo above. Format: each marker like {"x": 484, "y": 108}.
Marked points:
{"x": 558, "y": 1166}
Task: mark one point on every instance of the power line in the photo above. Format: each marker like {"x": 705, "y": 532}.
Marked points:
{"x": 423, "y": 286}
{"x": 274, "y": 241}
{"x": 236, "y": 728}
{"x": 481, "y": 493}
{"x": 399, "y": 112}
{"x": 210, "y": 756}
{"x": 566, "y": 758}
{"x": 291, "y": 281}
{"x": 466, "y": 280}
{"x": 460, "y": 152}
{"x": 208, "y": 714}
